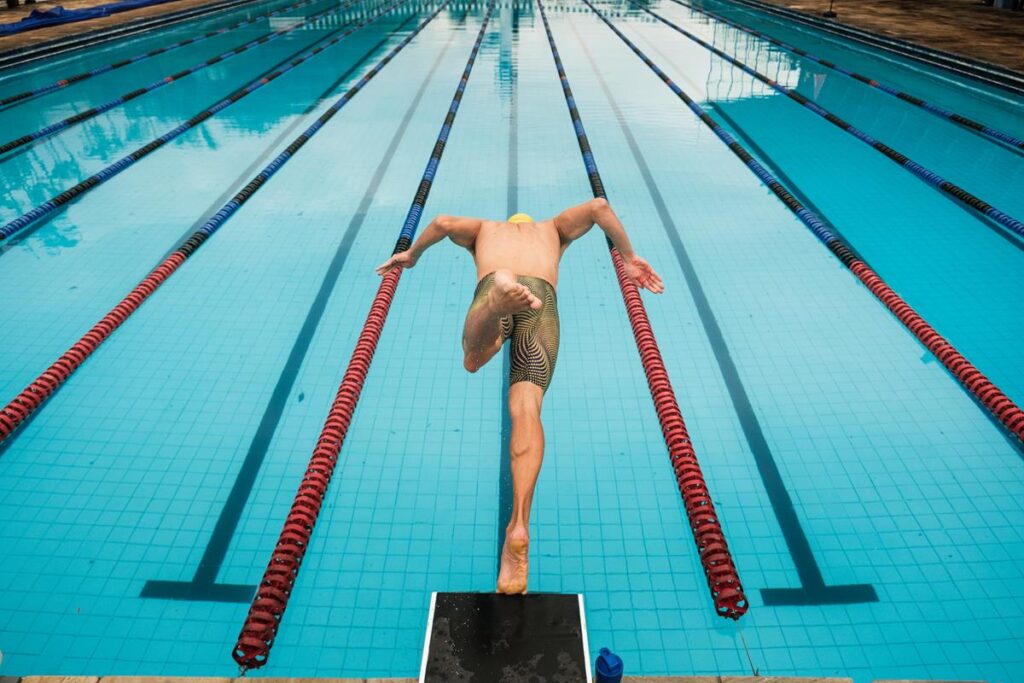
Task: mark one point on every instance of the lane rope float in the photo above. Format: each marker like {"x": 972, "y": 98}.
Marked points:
{"x": 35, "y": 394}
{"x": 719, "y": 568}
{"x": 51, "y": 205}
{"x": 89, "y": 113}
{"x": 977, "y": 384}
{"x": 85, "y": 75}
{"x": 934, "y": 179}
{"x": 942, "y": 112}
{"x": 259, "y": 630}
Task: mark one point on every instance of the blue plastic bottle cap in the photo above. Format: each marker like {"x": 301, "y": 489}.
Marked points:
{"x": 609, "y": 666}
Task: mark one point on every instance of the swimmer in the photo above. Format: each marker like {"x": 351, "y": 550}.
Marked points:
{"x": 517, "y": 272}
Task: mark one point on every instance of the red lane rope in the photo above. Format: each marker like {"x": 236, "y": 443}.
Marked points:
{"x": 260, "y": 628}
{"x": 36, "y": 393}
{"x": 719, "y": 569}
{"x": 988, "y": 394}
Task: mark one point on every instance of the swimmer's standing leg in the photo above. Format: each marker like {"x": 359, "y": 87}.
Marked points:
{"x": 481, "y": 336}
{"x": 527, "y": 453}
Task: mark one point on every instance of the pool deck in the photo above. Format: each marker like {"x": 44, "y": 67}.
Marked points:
{"x": 963, "y": 27}
{"x": 626, "y": 679}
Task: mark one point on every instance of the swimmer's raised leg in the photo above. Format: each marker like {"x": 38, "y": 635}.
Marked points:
{"x": 482, "y": 336}
{"x": 527, "y": 453}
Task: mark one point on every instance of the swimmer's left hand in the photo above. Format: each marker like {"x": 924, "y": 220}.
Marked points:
{"x": 642, "y": 275}
{"x": 403, "y": 259}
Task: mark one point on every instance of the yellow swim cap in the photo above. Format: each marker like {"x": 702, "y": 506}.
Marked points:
{"x": 520, "y": 218}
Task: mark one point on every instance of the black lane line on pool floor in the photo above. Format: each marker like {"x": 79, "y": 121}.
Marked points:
{"x": 203, "y": 585}
{"x": 271, "y": 152}
{"x": 813, "y": 590}
{"x": 511, "y": 202}
{"x": 769, "y": 162}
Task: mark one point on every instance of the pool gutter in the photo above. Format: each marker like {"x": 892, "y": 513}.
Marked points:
{"x": 985, "y": 72}
{"x": 255, "y": 679}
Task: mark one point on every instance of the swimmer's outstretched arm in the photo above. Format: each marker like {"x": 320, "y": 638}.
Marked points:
{"x": 461, "y": 229}
{"x": 575, "y": 222}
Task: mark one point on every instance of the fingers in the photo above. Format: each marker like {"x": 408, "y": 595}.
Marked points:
{"x": 650, "y": 279}
{"x": 396, "y": 261}
{"x": 655, "y": 283}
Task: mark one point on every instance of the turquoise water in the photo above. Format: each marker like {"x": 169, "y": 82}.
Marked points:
{"x": 892, "y": 474}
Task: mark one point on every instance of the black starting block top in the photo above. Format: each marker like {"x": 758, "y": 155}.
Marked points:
{"x": 492, "y": 638}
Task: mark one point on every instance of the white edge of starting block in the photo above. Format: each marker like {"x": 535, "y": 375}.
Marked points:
{"x": 426, "y": 638}
{"x": 586, "y": 643}
{"x": 429, "y": 629}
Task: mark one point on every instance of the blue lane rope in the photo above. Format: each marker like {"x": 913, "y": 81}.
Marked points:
{"x": 85, "y": 75}
{"x": 46, "y": 208}
{"x": 934, "y": 179}
{"x": 87, "y": 114}
{"x": 942, "y": 112}
{"x": 412, "y": 219}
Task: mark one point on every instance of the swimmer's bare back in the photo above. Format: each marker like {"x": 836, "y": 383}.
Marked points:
{"x": 530, "y": 249}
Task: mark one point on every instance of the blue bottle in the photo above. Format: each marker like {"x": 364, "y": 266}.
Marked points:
{"x": 609, "y": 667}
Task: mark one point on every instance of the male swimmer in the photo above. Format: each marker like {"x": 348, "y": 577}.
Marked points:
{"x": 517, "y": 271}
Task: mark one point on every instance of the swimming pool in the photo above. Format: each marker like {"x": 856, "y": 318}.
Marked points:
{"x": 164, "y": 467}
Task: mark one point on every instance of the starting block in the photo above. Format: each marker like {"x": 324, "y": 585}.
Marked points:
{"x": 485, "y": 637}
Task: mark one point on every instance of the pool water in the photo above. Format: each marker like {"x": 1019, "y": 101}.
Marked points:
{"x": 140, "y": 505}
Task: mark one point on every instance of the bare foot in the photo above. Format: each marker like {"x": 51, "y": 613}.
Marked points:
{"x": 515, "y": 562}
{"x": 508, "y": 296}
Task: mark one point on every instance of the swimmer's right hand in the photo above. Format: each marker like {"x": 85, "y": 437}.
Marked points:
{"x": 403, "y": 259}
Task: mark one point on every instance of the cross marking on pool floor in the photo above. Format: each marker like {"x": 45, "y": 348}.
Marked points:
{"x": 813, "y": 589}
{"x": 203, "y": 585}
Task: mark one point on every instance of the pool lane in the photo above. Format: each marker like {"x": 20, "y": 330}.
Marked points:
{"x": 929, "y": 249}
{"x": 719, "y": 568}
{"x": 988, "y": 395}
{"x": 952, "y": 151}
{"x": 261, "y": 626}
